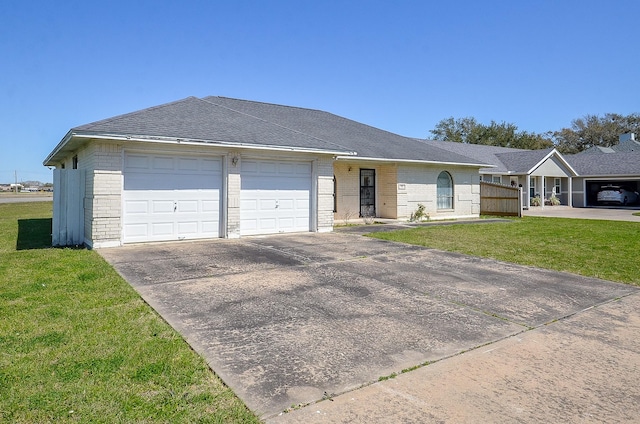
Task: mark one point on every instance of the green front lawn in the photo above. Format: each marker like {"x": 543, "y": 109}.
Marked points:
{"x": 604, "y": 249}
{"x": 77, "y": 343}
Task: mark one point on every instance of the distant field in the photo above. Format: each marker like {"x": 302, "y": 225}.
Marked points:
{"x": 29, "y": 194}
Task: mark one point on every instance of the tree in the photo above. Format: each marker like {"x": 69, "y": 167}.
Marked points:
{"x": 594, "y": 130}
{"x": 458, "y": 130}
{"x": 468, "y": 130}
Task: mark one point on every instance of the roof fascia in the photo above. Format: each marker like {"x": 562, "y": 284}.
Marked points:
{"x": 59, "y": 147}
{"x": 429, "y": 162}
{"x": 195, "y": 142}
{"x": 547, "y": 156}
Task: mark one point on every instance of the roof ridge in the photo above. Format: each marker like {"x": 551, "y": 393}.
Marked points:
{"x": 117, "y": 117}
{"x": 309, "y": 109}
{"x": 269, "y": 122}
{"x": 263, "y": 103}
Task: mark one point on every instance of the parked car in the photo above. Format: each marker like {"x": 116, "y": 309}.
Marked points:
{"x": 617, "y": 194}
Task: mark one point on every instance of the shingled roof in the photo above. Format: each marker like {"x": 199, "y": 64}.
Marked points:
{"x": 365, "y": 140}
{"x": 198, "y": 120}
{"x": 243, "y": 123}
{"x": 610, "y": 164}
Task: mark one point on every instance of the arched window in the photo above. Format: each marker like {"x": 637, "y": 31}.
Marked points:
{"x": 445, "y": 191}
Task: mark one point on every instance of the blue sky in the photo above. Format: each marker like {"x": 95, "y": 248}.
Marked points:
{"x": 401, "y": 66}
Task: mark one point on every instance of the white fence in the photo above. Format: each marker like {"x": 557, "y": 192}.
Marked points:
{"x": 68, "y": 207}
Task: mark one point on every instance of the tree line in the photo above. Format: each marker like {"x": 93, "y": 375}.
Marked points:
{"x": 585, "y": 132}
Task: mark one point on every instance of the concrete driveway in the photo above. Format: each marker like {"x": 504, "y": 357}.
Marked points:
{"x": 609, "y": 213}
{"x": 292, "y": 319}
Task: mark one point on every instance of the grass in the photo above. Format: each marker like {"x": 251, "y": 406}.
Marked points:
{"x": 593, "y": 248}
{"x": 77, "y": 344}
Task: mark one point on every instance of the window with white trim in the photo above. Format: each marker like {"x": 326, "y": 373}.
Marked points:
{"x": 445, "y": 191}
{"x": 556, "y": 186}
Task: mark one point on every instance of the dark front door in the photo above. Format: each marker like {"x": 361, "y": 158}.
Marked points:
{"x": 367, "y": 192}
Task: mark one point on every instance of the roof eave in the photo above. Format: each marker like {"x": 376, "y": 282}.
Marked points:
{"x": 547, "y": 156}
{"x": 429, "y": 162}
{"x": 201, "y": 142}
{"x": 57, "y": 149}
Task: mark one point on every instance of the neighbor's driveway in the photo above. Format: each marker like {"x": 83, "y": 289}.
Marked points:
{"x": 285, "y": 319}
{"x": 609, "y": 213}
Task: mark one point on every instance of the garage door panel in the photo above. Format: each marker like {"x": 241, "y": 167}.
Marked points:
{"x": 137, "y": 207}
{"x": 137, "y": 230}
{"x": 303, "y": 169}
{"x": 268, "y": 168}
{"x": 287, "y": 168}
{"x": 274, "y": 197}
{"x": 186, "y": 206}
{"x": 248, "y": 205}
{"x": 287, "y": 222}
{"x": 210, "y": 206}
{"x": 267, "y": 204}
{"x": 210, "y": 228}
{"x": 286, "y": 204}
{"x": 159, "y": 229}
{"x": 188, "y": 164}
{"x": 267, "y": 224}
{"x": 161, "y": 207}
{"x": 187, "y": 228}
{"x": 137, "y": 162}
{"x": 170, "y": 198}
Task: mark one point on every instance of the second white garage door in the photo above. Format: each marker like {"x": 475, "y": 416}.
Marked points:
{"x": 274, "y": 197}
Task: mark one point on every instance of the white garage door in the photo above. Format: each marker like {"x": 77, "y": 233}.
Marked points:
{"x": 274, "y": 197}
{"x": 170, "y": 197}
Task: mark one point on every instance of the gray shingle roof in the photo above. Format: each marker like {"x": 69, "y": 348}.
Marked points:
{"x": 367, "y": 141}
{"x": 522, "y": 161}
{"x": 590, "y": 164}
{"x": 484, "y": 154}
{"x": 247, "y": 123}
{"x": 196, "y": 119}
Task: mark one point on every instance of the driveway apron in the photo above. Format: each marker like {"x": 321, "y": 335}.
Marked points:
{"x": 289, "y": 320}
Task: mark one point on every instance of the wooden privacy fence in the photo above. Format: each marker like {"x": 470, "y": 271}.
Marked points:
{"x": 498, "y": 199}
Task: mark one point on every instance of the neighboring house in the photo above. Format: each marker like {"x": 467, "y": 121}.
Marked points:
{"x": 543, "y": 173}
{"x": 220, "y": 167}
{"x": 600, "y": 166}
{"x": 626, "y": 143}
{"x": 574, "y": 179}
{"x": 596, "y": 170}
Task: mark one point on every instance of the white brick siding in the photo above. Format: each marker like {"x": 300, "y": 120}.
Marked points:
{"x": 421, "y": 187}
{"x": 324, "y": 172}
{"x": 348, "y": 191}
{"x": 233, "y": 195}
{"x": 103, "y": 198}
{"x": 399, "y": 189}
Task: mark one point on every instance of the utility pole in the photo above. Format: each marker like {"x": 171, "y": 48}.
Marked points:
{"x": 15, "y": 174}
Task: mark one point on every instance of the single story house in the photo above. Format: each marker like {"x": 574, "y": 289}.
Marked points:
{"x": 574, "y": 179}
{"x": 541, "y": 173}
{"x": 220, "y": 167}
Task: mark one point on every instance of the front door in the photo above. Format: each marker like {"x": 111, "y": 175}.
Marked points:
{"x": 367, "y": 192}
